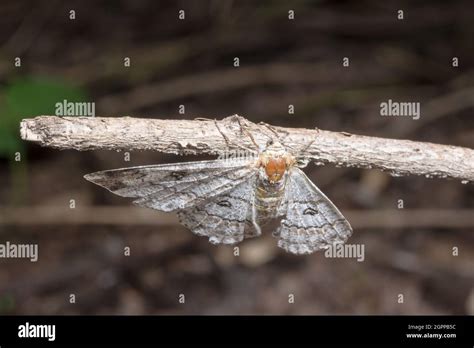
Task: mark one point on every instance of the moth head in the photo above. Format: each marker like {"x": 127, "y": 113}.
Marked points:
{"x": 274, "y": 146}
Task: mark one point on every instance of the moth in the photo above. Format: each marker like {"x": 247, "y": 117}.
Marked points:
{"x": 230, "y": 200}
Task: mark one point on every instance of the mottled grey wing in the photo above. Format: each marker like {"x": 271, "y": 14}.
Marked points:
{"x": 227, "y": 218}
{"x": 169, "y": 187}
{"x": 312, "y": 222}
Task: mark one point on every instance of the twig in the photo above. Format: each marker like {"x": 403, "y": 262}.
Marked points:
{"x": 398, "y": 157}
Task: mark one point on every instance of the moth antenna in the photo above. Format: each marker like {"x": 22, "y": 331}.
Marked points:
{"x": 306, "y": 147}
{"x": 280, "y": 139}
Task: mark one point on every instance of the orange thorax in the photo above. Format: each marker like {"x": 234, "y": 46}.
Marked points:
{"x": 275, "y": 169}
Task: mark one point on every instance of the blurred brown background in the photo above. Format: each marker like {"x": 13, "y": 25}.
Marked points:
{"x": 190, "y": 62}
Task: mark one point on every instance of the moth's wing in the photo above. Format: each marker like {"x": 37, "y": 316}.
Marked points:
{"x": 224, "y": 218}
{"x": 188, "y": 194}
{"x": 312, "y": 222}
{"x": 143, "y": 180}
{"x": 170, "y": 187}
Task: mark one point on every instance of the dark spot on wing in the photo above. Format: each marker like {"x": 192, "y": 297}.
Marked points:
{"x": 224, "y": 203}
{"x": 177, "y": 175}
{"x": 310, "y": 211}
{"x": 115, "y": 186}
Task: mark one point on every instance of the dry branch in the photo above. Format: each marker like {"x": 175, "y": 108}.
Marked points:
{"x": 398, "y": 157}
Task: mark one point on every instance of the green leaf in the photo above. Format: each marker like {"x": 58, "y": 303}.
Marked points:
{"x": 27, "y": 97}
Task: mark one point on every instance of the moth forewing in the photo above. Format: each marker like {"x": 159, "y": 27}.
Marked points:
{"x": 142, "y": 181}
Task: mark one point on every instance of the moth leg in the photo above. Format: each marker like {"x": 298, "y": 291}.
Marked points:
{"x": 244, "y": 129}
{"x": 254, "y": 220}
{"x": 228, "y": 141}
